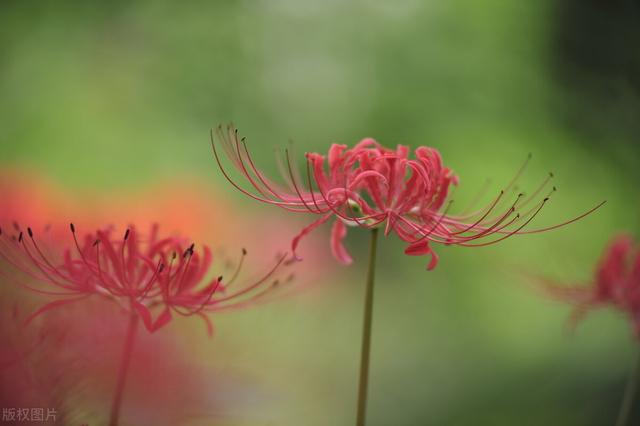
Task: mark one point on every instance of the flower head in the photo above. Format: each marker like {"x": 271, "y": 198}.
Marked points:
{"x": 616, "y": 283}
{"x": 148, "y": 275}
{"x": 372, "y": 186}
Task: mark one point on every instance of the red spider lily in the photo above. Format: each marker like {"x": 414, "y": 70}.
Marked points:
{"x": 371, "y": 186}
{"x": 616, "y": 283}
{"x": 149, "y": 276}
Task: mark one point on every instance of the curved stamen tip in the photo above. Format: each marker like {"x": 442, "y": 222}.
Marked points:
{"x": 220, "y": 278}
{"x": 189, "y": 251}
{"x": 554, "y": 189}
{"x": 551, "y": 174}
{"x": 20, "y": 237}
{"x": 72, "y": 226}
{"x": 244, "y": 251}
{"x": 96, "y": 242}
{"x": 126, "y": 234}
{"x": 173, "y": 255}
{"x": 161, "y": 268}
{"x": 30, "y": 232}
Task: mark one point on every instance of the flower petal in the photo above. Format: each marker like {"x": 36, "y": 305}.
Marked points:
{"x": 145, "y": 314}
{"x": 421, "y": 248}
{"x": 338, "y": 232}
{"x": 305, "y": 231}
{"x": 51, "y": 305}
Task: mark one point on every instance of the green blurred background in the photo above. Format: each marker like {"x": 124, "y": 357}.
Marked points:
{"x": 116, "y": 95}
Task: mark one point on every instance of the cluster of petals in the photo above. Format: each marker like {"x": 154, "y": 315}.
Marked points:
{"x": 372, "y": 186}
{"x": 616, "y": 283}
{"x": 148, "y": 275}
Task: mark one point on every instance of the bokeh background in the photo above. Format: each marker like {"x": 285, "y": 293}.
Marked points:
{"x": 109, "y": 104}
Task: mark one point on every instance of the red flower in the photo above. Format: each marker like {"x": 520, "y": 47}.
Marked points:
{"x": 370, "y": 186}
{"x": 616, "y": 283}
{"x": 149, "y": 276}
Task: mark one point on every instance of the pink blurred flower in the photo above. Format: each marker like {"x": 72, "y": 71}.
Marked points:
{"x": 372, "y": 186}
{"x": 150, "y": 276}
{"x": 616, "y": 283}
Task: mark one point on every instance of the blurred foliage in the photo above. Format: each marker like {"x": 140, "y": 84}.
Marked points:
{"x": 115, "y": 95}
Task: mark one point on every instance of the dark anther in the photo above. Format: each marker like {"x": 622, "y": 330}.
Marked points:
{"x": 96, "y": 242}
{"x": 161, "y": 267}
{"x": 126, "y": 235}
{"x": 30, "y": 232}
{"x": 20, "y": 237}
{"x": 244, "y": 251}
{"x": 73, "y": 228}
{"x": 220, "y": 278}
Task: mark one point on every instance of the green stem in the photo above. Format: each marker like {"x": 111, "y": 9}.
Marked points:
{"x": 124, "y": 368}
{"x": 366, "y": 331}
{"x": 629, "y": 393}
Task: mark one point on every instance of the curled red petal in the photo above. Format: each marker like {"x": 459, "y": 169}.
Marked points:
{"x": 306, "y": 231}
{"x": 148, "y": 321}
{"x": 338, "y": 232}
{"x": 422, "y": 248}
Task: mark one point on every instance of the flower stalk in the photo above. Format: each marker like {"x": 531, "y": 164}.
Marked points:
{"x": 366, "y": 331}
{"x": 116, "y": 404}
{"x": 127, "y": 351}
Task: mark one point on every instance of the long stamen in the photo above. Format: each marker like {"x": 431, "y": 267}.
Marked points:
{"x": 538, "y": 190}
{"x": 252, "y": 286}
{"x": 483, "y": 217}
{"x": 122, "y": 259}
{"x": 587, "y": 213}
{"x": 311, "y": 190}
{"x": 295, "y": 185}
{"x": 291, "y": 206}
{"x": 40, "y": 266}
{"x": 188, "y": 255}
{"x": 237, "y": 270}
{"x": 514, "y": 232}
{"x": 435, "y": 226}
{"x": 476, "y": 198}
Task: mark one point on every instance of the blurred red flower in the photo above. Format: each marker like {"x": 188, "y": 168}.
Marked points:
{"x": 616, "y": 283}
{"x": 141, "y": 273}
